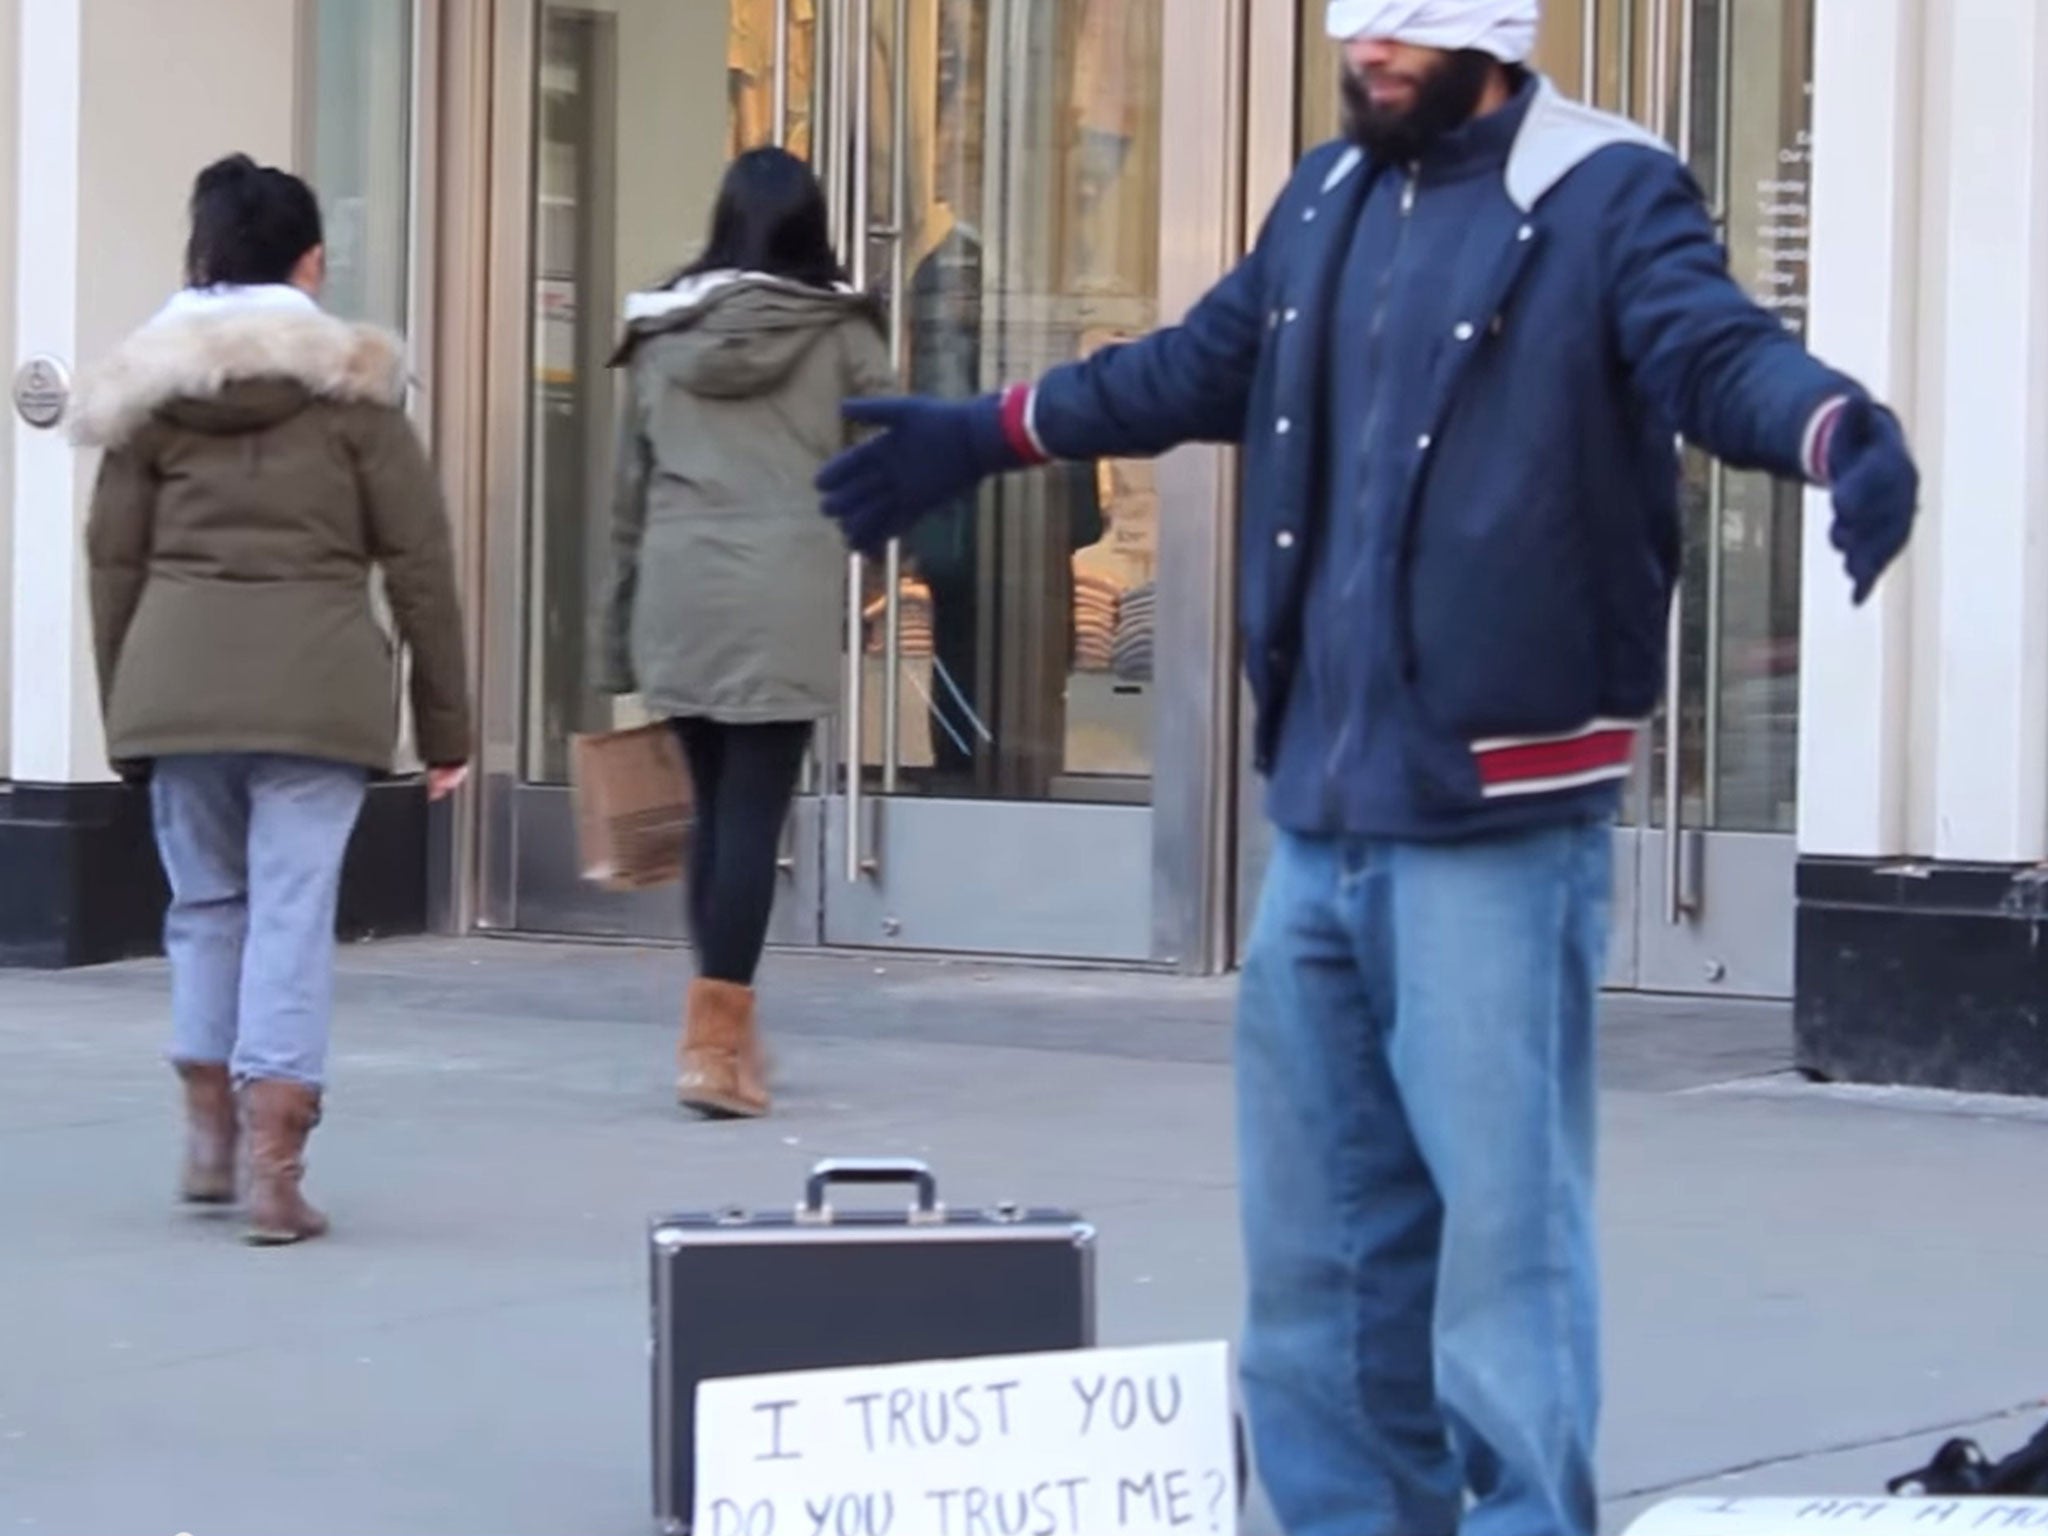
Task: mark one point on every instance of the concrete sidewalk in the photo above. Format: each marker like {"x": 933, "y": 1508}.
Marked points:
{"x": 1806, "y": 1289}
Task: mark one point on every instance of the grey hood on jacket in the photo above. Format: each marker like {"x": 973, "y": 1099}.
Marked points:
{"x": 731, "y": 335}
{"x": 727, "y": 581}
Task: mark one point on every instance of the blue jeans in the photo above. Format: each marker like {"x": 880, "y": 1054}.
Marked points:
{"x": 252, "y": 846}
{"x": 1416, "y": 1107}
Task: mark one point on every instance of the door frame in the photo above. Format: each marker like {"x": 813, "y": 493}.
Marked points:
{"x": 1712, "y": 909}
{"x": 506, "y": 862}
{"x": 507, "y": 343}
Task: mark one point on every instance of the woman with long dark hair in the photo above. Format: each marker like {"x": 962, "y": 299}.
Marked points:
{"x": 257, "y": 467}
{"x": 727, "y": 589}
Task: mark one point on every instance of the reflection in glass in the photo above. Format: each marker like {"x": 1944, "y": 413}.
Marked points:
{"x": 1752, "y": 763}
{"x": 1739, "y": 668}
{"x": 1321, "y": 116}
{"x": 359, "y": 129}
{"x": 750, "y": 77}
{"x": 1028, "y": 166}
{"x": 629, "y": 145}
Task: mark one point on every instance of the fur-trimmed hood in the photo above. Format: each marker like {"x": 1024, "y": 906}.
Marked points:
{"x": 228, "y": 369}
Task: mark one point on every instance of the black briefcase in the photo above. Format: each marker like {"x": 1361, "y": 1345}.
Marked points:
{"x": 749, "y": 1293}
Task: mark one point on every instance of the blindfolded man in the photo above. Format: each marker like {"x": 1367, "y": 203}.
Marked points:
{"x": 1458, "y": 360}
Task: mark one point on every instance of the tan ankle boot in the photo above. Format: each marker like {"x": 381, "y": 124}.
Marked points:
{"x": 720, "y": 1070}
{"x": 208, "y": 1177}
{"x": 279, "y": 1117}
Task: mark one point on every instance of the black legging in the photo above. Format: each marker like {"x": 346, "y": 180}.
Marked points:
{"x": 745, "y": 777}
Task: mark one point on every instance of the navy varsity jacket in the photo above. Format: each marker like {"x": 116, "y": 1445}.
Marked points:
{"x": 1523, "y": 546}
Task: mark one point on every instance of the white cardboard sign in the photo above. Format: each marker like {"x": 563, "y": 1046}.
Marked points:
{"x": 1092, "y": 1443}
{"x": 1818, "y": 1516}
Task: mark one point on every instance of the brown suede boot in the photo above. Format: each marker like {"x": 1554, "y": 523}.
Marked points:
{"x": 280, "y": 1116}
{"x": 209, "y": 1173}
{"x": 720, "y": 1070}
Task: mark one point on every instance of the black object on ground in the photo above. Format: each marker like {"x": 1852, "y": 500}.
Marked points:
{"x": 1962, "y": 1469}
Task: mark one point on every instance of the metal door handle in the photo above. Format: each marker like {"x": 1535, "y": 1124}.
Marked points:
{"x": 1688, "y": 58}
{"x": 1684, "y": 847}
{"x": 840, "y": 159}
{"x": 1589, "y": 54}
{"x": 892, "y": 668}
{"x": 831, "y": 123}
{"x": 858, "y": 863}
{"x": 855, "y": 47}
{"x": 897, "y": 234}
{"x": 780, "y": 91}
{"x": 1674, "y": 707}
{"x": 1660, "y": 67}
{"x": 858, "y": 53}
{"x": 862, "y": 861}
{"x": 785, "y": 848}
{"x": 1627, "y": 73}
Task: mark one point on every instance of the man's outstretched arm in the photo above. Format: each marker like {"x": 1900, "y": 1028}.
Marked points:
{"x": 1736, "y": 382}
{"x": 1186, "y": 383}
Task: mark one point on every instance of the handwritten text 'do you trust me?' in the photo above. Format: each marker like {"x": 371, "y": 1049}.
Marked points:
{"x": 1047, "y": 1445}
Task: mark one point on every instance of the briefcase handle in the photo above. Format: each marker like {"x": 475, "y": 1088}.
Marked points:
{"x": 870, "y": 1170}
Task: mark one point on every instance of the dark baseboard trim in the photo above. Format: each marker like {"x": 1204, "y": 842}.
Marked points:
{"x": 1923, "y": 974}
{"x": 384, "y": 881}
{"x": 84, "y": 887}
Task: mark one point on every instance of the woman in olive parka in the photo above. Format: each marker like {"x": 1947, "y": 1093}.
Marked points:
{"x": 725, "y": 612}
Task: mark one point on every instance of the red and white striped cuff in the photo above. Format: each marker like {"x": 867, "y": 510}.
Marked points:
{"x": 1541, "y": 765}
{"x": 1019, "y": 409}
{"x": 1819, "y": 438}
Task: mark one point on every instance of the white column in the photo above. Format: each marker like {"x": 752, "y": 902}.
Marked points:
{"x": 1855, "y": 665}
{"x": 10, "y": 165}
{"x": 1991, "y": 741}
{"x": 120, "y": 104}
{"x": 50, "y": 656}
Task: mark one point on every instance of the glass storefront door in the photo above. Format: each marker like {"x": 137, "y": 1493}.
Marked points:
{"x": 1709, "y": 858}
{"x": 1706, "y": 854}
{"x": 1003, "y": 159}
{"x": 994, "y": 171}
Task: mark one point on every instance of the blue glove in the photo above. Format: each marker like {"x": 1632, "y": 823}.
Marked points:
{"x": 928, "y": 455}
{"x": 1876, "y": 491}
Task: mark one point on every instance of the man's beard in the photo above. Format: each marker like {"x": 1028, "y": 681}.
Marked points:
{"x": 1445, "y": 99}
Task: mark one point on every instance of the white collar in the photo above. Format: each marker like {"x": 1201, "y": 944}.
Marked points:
{"x": 688, "y": 292}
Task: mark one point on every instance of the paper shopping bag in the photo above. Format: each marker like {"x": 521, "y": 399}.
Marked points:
{"x": 634, "y": 805}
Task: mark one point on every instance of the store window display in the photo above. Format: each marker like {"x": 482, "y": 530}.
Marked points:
{"x": 358, "y": 127}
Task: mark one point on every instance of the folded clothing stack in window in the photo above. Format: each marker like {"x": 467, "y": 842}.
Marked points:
{"x": 1131, "y": 655}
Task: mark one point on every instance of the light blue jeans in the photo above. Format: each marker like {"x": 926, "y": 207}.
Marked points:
{"x": 252, "y": 846}
{"x": 1416, "y": 1102}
